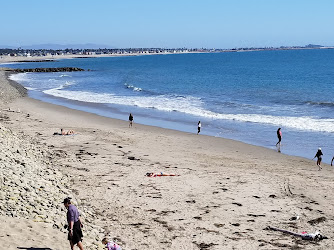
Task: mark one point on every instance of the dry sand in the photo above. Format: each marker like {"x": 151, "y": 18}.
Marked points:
{"x": 227, "y": 193}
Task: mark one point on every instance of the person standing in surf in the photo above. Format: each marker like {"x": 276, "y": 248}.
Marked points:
{"x": 319, "y": 158}
{"x": 199, "y": 125}
{"x": 279, "y": 136}
{"x": 130, "y": 120}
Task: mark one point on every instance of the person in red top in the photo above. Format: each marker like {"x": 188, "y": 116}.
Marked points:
{"x": 74, "y": 224}
{"x": 279, "y": 136}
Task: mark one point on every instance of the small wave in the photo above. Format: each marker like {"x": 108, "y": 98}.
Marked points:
{"x": 65, "y": 85}
{"x": 298, "y": 123}
{"x": 194, "y": 106}
{"x": 134, "y": 88}
{"x": 64, "y": 76}
{"x": 322, "y": 104}
{"x": 9, "y": 63}
{"x": 19, "y": 77}
{"x": 29, "y": 88}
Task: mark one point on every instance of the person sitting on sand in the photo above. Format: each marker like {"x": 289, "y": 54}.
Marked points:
{"x": 70, "y": 132}
{"x": 159, "y": 174}
{"x": 110, "y": 245}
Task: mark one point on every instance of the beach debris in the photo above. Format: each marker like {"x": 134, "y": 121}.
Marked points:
{"x": 191, "y": 201}
{"x": 218, "y": 225}
{"x": 132, "y": 158}
{"x": 256, "y": 215}
{"x": 204, "y": 245}
{"x": 295, "y": 217}
{"x": 317, "y": 220}
{"x": 237, "y": 203}
{"x": 317, "y": 236}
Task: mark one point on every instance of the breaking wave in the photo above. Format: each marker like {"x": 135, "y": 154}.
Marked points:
{"x": 134, "y": 88}
{"x": 322, "y": 104}
{"x": 194, "y": 106}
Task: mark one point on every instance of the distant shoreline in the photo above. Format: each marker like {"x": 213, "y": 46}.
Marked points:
{"x": 50, "y": 58}
{"x": 18, "y": 59}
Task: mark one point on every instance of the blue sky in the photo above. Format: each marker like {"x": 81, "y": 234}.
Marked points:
{"x": 169, "y": 23}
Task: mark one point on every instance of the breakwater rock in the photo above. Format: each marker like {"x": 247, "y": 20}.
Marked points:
{"x": 60, "y": 69}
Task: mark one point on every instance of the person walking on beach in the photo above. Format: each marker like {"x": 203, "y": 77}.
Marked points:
{"x": 130, "y": 120}
{"x": 74, "y": 224}
{"x": 199, "y": 125}
{"x": 279, "y": 136}
{"x": 319, "y": 157}
{"x": 332, "y": 161}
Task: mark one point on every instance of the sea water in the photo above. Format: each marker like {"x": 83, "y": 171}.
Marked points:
{"x": 244, "y": 96}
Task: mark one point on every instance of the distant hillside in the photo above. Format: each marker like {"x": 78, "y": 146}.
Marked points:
{"x": 7, "y": 47}
{"x": 313, "y": 46}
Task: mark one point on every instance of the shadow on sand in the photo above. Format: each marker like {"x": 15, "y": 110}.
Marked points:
{"x": 34, "y": 248}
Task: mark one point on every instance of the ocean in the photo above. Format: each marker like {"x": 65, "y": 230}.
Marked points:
{"x": 245, "y": 96}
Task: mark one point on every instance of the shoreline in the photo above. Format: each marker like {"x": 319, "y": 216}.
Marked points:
{"x": 227, "y": 191}
{"x": 252, "y": 128}
{"x": 50, "y": 58}
{"x": 17, "y": 59}
{"x": 186, "y": 127}
{"x": 38, "y": 102}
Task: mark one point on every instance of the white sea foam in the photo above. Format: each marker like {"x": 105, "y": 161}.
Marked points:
{"x": 65, "y": 85}
{"x": 193, "y": 106}
{"x": 19, "y": 77}
{"x": 29, "y": 88}
{"x": 299, "y": 123}
{"x": 8, "y": 63}
{"x": 134, "y": 88}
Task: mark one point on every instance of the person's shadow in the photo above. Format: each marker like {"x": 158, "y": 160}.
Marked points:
{"x": 34, "y": 248}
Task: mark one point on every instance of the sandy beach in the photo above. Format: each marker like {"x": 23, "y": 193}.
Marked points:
{"x": 226, "y": 195}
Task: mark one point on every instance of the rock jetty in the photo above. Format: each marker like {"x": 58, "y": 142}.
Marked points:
{"x": 60, "y": 69}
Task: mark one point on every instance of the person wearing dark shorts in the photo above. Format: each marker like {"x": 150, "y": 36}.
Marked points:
{"x": 130, "y": 120}
{"x": 74, "y": 224}
{"x": 279, "y": 136}
{"x": 199, "y": 125}
{"x": 319, "y": 155}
